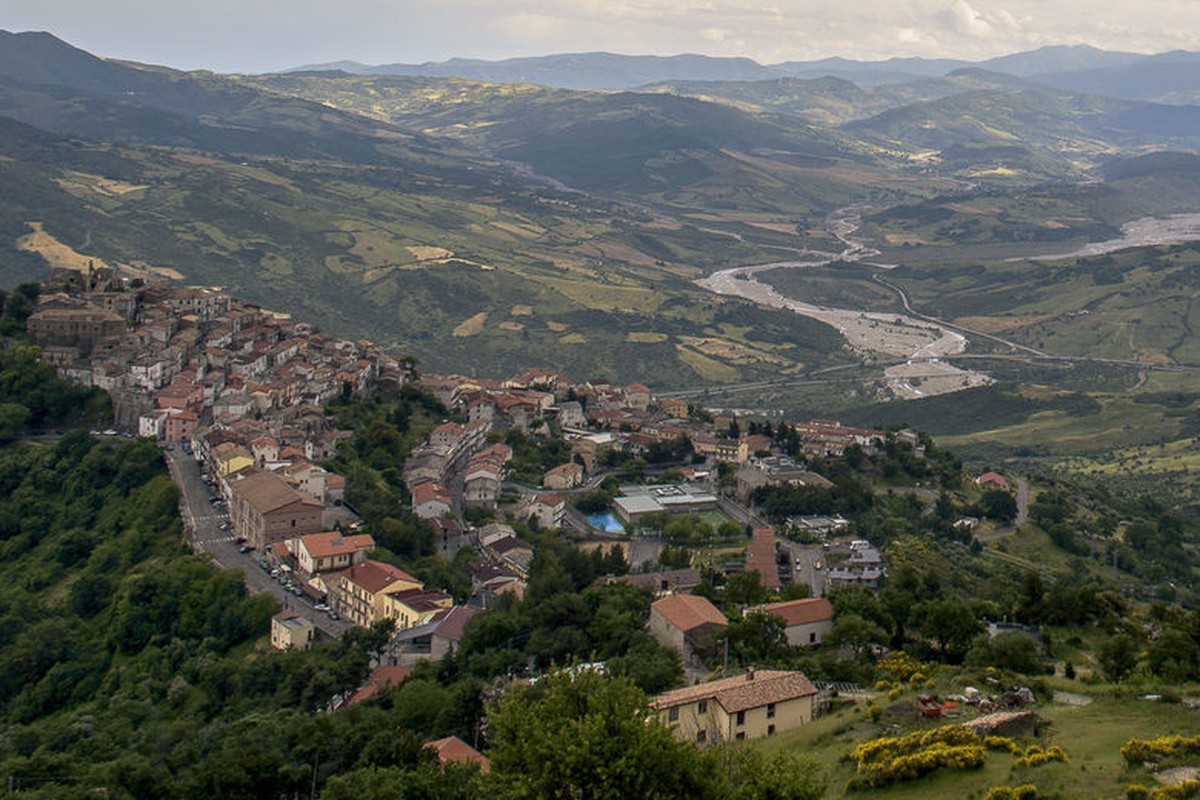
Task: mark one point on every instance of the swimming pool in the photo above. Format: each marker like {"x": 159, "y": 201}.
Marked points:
{"x": 606, "y": 522}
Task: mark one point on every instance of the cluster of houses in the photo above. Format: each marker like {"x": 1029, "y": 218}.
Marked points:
{"x": 171, "y": 356}
{"x": 244, "y": 389}
{"x": 747, "y": 706}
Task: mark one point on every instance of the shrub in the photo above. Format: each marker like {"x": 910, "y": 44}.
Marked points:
{"x": 1001, "y": 743}
{"x": 1138, "y": 751}
{"x": 895, "y": 759}
{"x": 1036, "y": 756}
{"x": 899, "y": 665}
{"x": 1181, "y": 791}
{"x": 1026, "y": 791}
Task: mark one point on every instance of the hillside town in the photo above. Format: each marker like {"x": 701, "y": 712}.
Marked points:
{"x": 243, "y": 392}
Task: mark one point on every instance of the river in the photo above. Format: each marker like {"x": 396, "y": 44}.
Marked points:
{"x": 922, "y": 344}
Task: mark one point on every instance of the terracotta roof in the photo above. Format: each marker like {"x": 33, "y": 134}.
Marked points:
{"x": 381, "y": 678}
{"x": 266, "y": 491}
{"x": 760, "y": 555}
{"x": 453, "y": 621}
{"x": 687, "y": 612}
{"x": 754, "y": 689}
{"x": 326, "y": 545}
{"x": 992, "y": 479}
{"x": 421, "y": 599}
{"x": 429, "y": 490}
{"x": 375, "y": 576}
{"x": 801, "y": 612}
{"x": 453, "y": 748}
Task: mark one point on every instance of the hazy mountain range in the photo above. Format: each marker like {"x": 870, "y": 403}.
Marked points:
{"x": 1078, "y": 67}
{"x": 498, "y": 226}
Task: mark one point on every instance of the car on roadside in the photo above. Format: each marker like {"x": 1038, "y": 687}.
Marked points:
{"x": 321, "y": 607}
{"x": 333, "y": 615}
{"x": 262, "y": 563}
{"x": 245, "y": 549}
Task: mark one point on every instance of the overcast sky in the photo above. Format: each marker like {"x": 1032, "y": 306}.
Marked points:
{"x": 264, "y": 35}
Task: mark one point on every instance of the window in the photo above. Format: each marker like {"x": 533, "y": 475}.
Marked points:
{"x": 812, "y": 638}
{"x": 673, "y": 714}
{"x": 770, "y": 711}
{"x": 701, "y": 737}
{"x": 702, "y": 707}
{"x": 741, "y": 718}
{"x": 740, "y": 736}
{"x": 770, "y": 730}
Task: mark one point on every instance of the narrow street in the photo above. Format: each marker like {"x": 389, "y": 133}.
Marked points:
{"x": 203, "y": 534}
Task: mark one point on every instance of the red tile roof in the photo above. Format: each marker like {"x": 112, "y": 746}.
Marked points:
{"x": 688, "y": 612}
{"x": 760, "y": 555}
{"x": 327, "y": 545}
{"x": 742, "y": 692}
{"x": 453, "y": 621}
{"x": 375, "y": 576}
{"x": 453, "y": 748}
{"x": 801, "y": 612}
{"x": 381, "y": 678}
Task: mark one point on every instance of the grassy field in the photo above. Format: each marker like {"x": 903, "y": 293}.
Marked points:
{"x": 1092, "y": 736}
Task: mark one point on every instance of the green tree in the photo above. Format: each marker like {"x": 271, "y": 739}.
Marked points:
{"x": 1118, "y": 656}
{"x": 1009, "y": 650}
{"x": 591, "y": 737}
{"x": 950, "y": 623}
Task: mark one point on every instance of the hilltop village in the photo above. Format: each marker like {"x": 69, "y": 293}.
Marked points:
{"x": 240, "y": 393}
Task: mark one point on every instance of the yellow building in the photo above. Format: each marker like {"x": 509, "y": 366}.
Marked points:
{"x": 756, "y": 704}
{"x": 228, "y": 458}
{"x": 373, "y": 591}
{"x": 291, "y": 631}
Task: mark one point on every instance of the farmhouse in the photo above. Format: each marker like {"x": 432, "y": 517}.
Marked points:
{"x": 807, "y": 621}
{"x": 684, "y": 622}
{"x": 749, "y": 706}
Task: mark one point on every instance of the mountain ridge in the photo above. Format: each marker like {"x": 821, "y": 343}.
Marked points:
{"x": 605, "y": 70}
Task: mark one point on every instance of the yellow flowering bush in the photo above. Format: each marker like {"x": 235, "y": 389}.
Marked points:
{"x": 1026, "y": 791}
{"x": 1138, "y": 751}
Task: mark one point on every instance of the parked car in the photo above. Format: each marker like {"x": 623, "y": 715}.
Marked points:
{"x": 245, "y": 549}
{"x": 333, "y": 615}
{"x": 321, "y": 607}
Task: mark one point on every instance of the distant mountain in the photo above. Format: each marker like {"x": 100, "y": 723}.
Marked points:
{"x": 1059, "y": 58}
{"x": 614, "y": 71}
{"x": 836, "y": 101}
{"x": 872, "y": 73}
{"x": 573, "y": 71}
{"x": 1170, "y": 77}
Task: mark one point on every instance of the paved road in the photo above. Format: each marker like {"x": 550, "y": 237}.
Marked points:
{"x": 805, "y": 558}
{"x": 203, "y": 533}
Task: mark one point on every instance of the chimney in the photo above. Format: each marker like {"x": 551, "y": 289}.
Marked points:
{"x": 750, "y": 675}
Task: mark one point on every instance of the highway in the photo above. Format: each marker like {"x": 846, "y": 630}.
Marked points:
{"x": 203, "y": 534}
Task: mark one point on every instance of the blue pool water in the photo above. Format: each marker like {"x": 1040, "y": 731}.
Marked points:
{"x": 606, "y": 522}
